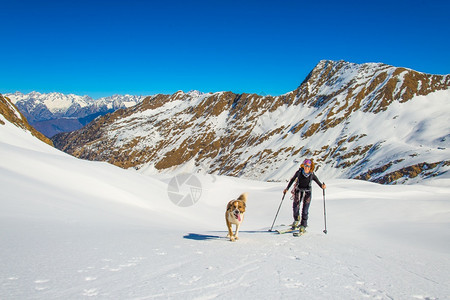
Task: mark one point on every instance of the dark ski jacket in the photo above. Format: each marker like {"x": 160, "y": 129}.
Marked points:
{"x": 304, "y": 182}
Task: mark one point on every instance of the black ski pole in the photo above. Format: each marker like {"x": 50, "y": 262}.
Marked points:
{"x": 277, "y": 212}
{"x": 324, "y": 212}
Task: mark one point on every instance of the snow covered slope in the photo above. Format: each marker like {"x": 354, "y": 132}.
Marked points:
{"x": 11, "y": 115}
{"x": 52, "y": 113}
{"x": 369, "y": 121}
{"x": 75, "y": 229}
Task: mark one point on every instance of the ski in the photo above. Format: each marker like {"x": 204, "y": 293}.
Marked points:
{"x": 297, "y": 231}
{"x": 289, "y": 230}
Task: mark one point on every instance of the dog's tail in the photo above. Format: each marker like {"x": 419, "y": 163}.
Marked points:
{"x": 243, "y": 197}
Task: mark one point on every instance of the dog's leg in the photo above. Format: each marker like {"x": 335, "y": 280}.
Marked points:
{"x": 236, "y": 233}
{"x": 230, "y": 230}
{"x": 232, "y": 237}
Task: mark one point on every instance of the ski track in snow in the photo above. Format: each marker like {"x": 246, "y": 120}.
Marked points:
{"x": 206, "y": 266}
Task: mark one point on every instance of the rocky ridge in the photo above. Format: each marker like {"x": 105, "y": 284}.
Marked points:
{"x": 356, "y": 120}
{"x": 10, "y": 113}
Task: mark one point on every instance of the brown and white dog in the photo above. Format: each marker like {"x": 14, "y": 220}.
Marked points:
{"x": 235, "y": 215}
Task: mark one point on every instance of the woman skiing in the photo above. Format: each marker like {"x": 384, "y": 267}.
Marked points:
{"x": 302, "y": 192}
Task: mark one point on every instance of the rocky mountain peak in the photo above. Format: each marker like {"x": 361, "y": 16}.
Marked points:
{"x": 344, "y": 115}
{"x": 10, "y": 113}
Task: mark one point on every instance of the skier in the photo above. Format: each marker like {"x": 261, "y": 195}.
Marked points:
{"x": 304, "y": 176}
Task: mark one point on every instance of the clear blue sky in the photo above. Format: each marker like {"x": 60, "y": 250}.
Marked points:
{"x": 100, "y": 48}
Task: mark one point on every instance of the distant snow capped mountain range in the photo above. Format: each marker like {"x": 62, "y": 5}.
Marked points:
{"x": 56, "y": 112}
{"x": 369, "y": 121}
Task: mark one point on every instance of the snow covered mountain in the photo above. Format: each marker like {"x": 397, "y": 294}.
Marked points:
{"x": 368, "y": 121}
{"x": 77, "y": 229}
{"x": 53, "y": 113}
{"x": 12, "y": 115}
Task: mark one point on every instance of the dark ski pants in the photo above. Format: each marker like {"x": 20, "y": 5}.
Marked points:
{"x": 305, "y": 197}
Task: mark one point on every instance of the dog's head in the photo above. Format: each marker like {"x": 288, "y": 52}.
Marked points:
{"x": 237, "y": 208}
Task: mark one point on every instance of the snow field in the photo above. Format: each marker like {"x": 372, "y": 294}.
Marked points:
{"x": 73, "y": 229}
